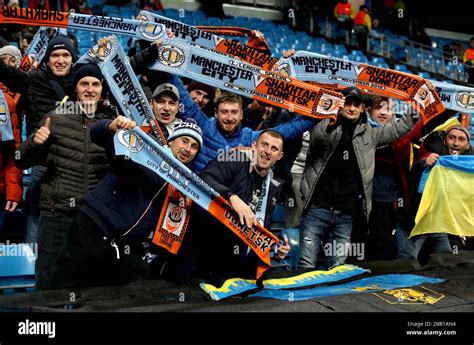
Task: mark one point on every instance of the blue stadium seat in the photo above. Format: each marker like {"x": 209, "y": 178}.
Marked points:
{"x": 17, "y": 266}
{"x": 359, "y": 58}
{"x": 340, "y": 48}
{"x": 399, "y": 53}
{"x": 377, "y": 59}
{"x": 450, "y": 70}
{"x": 293, "y": 235}
{"x": 401, "y": 67}
{"x": 424, "y": 75}
{"x": 382, "y": 65}
{"x": 94, "y": 3}
{"x": 357, "y": 52}
{"x": 278, "y": 217}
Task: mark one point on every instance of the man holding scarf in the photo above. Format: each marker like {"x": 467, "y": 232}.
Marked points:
{"x": 245, "y": 178}
{"x": 104, "y": 245}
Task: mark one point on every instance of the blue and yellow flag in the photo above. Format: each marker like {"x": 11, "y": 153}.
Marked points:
{"x": 447, "y": 204}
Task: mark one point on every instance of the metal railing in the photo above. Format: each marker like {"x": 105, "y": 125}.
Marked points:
{"x": 403, "y": 50}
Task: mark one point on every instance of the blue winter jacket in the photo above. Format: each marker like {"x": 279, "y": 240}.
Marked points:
{"x": 214, "y": 141}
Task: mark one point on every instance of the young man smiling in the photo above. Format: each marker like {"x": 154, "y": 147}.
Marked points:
{"x": 104, "y": 245}
{"x": 252, "y": 191}
{"x": 74, "y": 163}
{"x": 165, "y": 106}
{"x": 42, "y": 90}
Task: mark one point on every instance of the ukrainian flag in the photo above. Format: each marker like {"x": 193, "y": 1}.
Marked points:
{"x": 447, "y": 204}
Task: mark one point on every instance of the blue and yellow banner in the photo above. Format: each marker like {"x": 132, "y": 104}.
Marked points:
{"x": 371, "y": 284}
{"x": 236, "y": 286}
{"x": 447, "y": 203}
{"x": 299, "y": 288}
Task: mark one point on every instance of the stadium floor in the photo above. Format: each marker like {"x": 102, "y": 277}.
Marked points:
{"x": 454, "y": 295}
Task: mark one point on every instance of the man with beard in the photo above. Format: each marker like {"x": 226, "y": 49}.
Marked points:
{"x": 454, "y": 141}
{"x": 225, "y": 130}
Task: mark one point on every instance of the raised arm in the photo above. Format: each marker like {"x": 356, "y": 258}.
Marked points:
{"x": 394, "y": 129}
{"x": 13, "y": 78}
{"x": 292, "y": 129}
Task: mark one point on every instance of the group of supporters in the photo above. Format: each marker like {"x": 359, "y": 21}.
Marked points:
{"x": 93, "y": 214}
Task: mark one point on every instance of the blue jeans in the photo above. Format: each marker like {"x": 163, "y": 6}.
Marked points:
{"x": 318, "y": 222}
{"x": 32, "y": 204}
{"x": 410, "y": 248}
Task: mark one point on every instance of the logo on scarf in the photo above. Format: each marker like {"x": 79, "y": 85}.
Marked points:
{"x": 3, "y": 113}
{"x": 284, "y": 69}
{"x": 465, "y": 99}
{"x": 423, "y": 96}
{"x": 175, "y": 217}
{"x": 171, "y": 55}
{"x": 148, "y": 28}
{"x": 131, "y": 141}
{"x": 326, "y": 104}
{"x": 100, "y": 51}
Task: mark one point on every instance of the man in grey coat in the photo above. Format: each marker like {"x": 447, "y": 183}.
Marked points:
{"x": 337, "y": 179}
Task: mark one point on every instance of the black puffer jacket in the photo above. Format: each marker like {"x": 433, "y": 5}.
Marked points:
{"x": 75, "y": 164}
{"x": 38, "y": 93}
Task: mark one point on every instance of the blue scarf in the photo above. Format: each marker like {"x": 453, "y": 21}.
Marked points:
{"x": 6, "y": 132}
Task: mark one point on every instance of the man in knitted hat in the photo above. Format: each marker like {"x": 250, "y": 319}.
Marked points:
{"x": 42, "y": 90}
{"x": 74, "y": 163}
{"x": 456, "y": 142}
{"x": 60, "y": 55}
{"x": 201, "y": 93}
{"x": 105, "y": 244}
{"x": 11, "y": 55}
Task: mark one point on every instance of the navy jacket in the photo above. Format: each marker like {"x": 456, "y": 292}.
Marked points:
{"x": 127, "y": 202}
